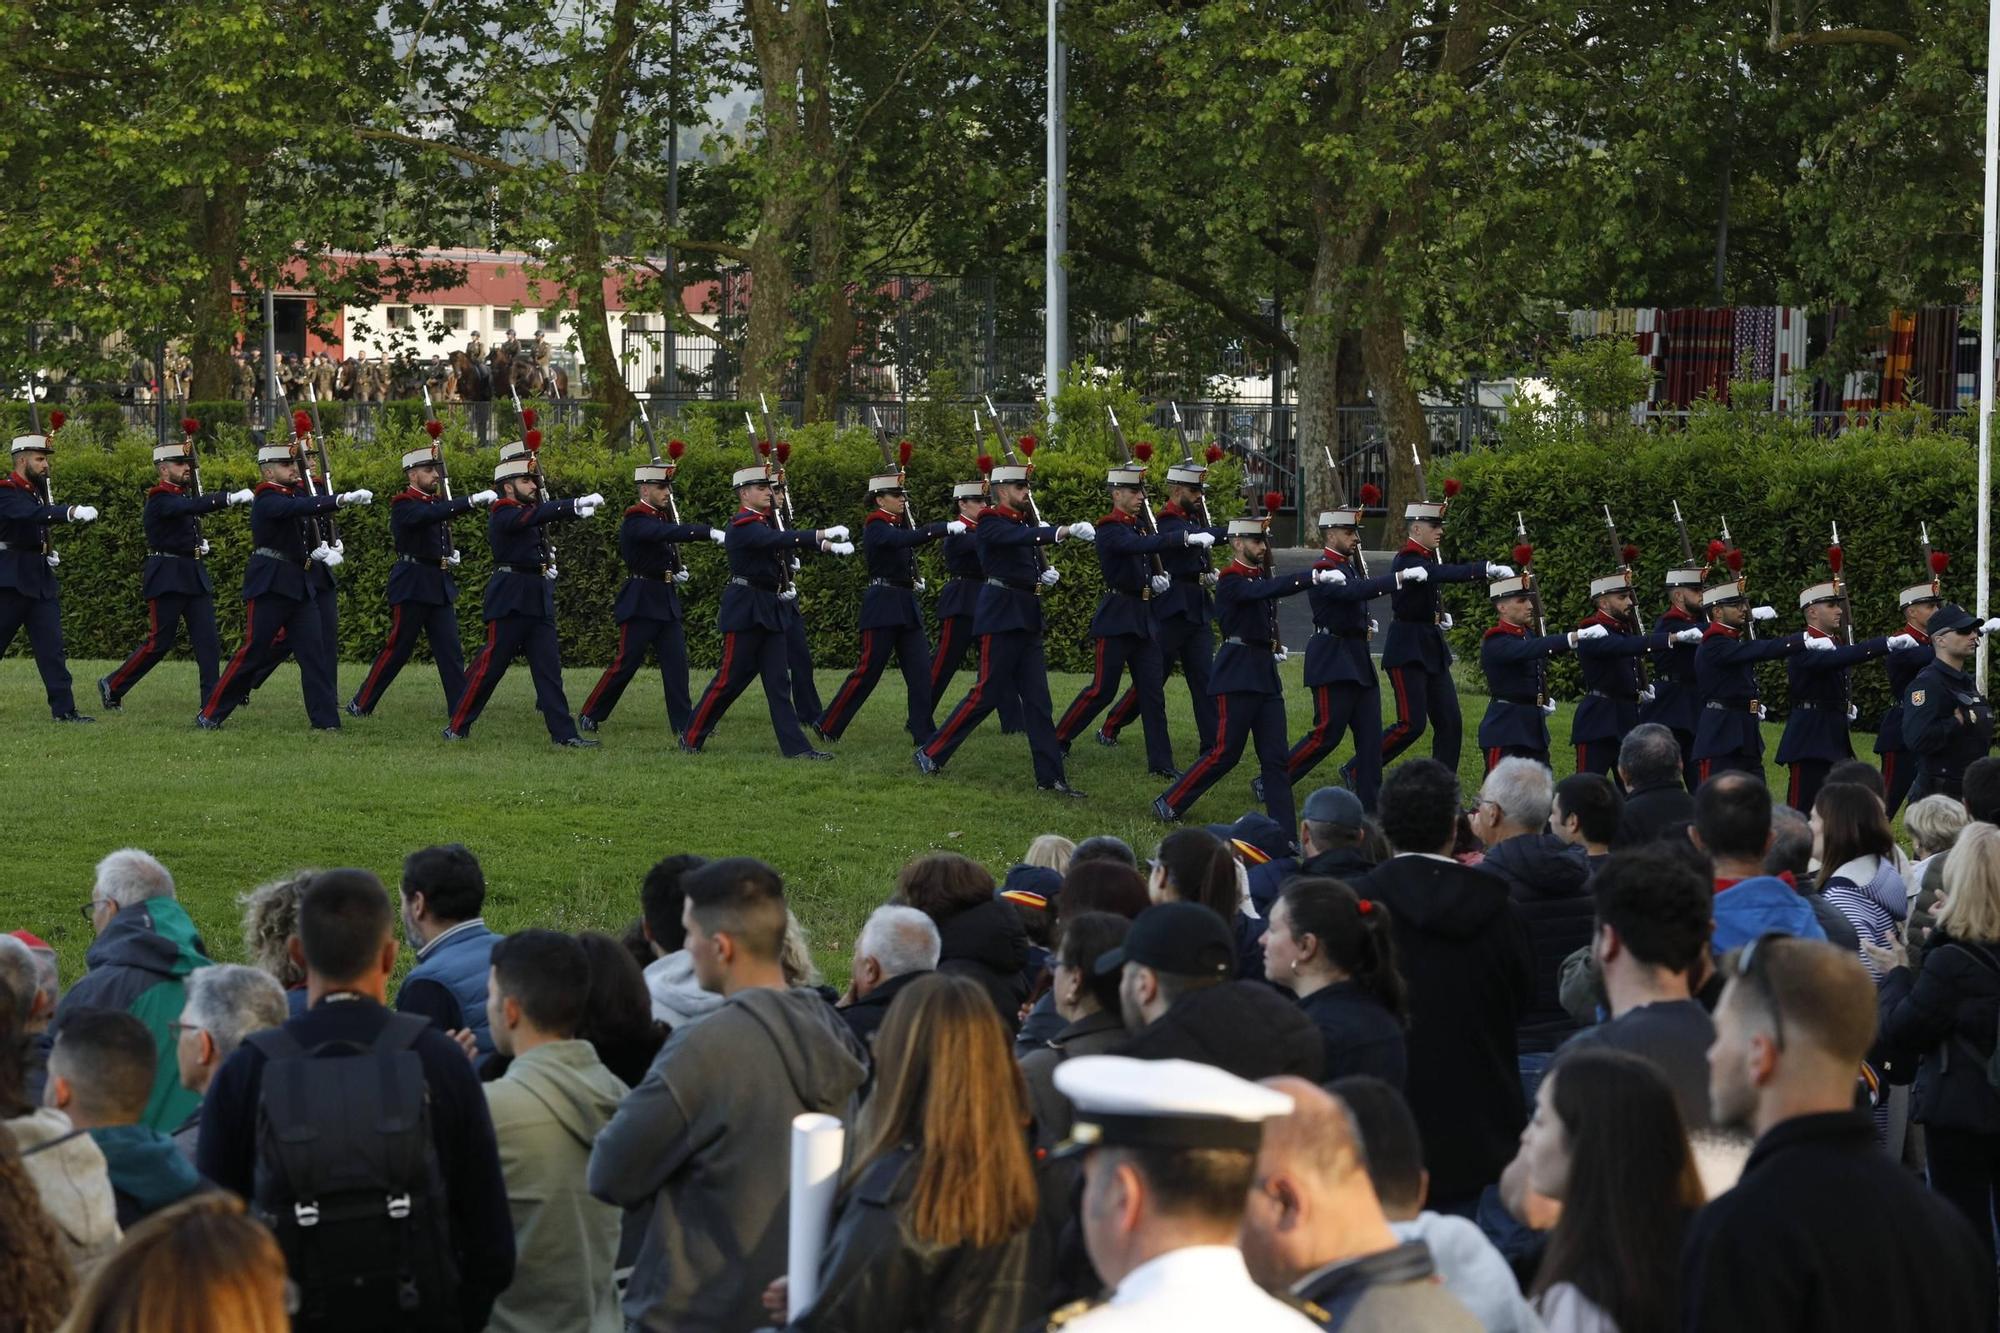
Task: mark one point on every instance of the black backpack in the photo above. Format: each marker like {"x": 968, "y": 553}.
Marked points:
{"x": 347, "y": 1179}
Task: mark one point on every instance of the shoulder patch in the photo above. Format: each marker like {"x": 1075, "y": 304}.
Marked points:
{"x": 1319, "y": 1314}
{"x": 1075, "y": 1310}
{"x": 1917, "y": 698}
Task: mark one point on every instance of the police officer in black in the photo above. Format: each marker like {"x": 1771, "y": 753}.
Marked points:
{"x": 1123, "y": 627}
{"x": 27, "y": 569}
{"x": 278, "y": 598}
{"x": 1816, "y": 736}
{"x": 1946, "y": 721}
{"x": 1516, "y": 724}
{"x": 1676, "y": 701}
{"x": 176, "y": 583}
{"x": 520, "y": 602}
{"x": 422, "y": 593}
{"x": 648, "y": 610}
{"x": 892, "y": 622}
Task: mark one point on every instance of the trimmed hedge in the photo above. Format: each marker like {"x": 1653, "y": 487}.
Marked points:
{"x": 1779, "y": 484}
{"x": 105, "y": 617}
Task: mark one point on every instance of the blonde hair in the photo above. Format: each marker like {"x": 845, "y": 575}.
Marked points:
{"x": 270, "y": 919}
{"x": 1972, "y": 886}
{"x": 200, "y": 1266}
{"x": 1934, "y": 824}
{"x": 1051, "y": 851}
{"x": 796, "y": 957}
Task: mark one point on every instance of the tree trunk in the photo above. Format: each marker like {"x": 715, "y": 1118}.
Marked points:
{"x": 778, "y": 33}
{"x": 593, "y": 320}
{"x": 833, "y": 322}
{"x": 1386, "y": 355}
{"x": 217, "y": 223}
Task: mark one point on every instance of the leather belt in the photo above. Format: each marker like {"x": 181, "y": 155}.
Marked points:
{"x": 1249, "y": 643}
{"x": 1811, "y": 707}
{"x": 1186, "y": 578}
{"x": 1731, "y": 705}
{"x": 1320, "y": 633}
{"x": 273, "y": 553}
{"x": 1416, "y": 620}
{"x": 175, "y": 555}
{"x": 1525, "y": 700}
{"x": 504, "y": 568}
{"x": 738, "y": 581}
{"x": 654, "y": 576}
{"x": 1143, "y": 596}
{"x": 427, "y": 561}
{"x": 909, "y": 586}
{"x": 1012, "y": 586}
{"x": 1617, "y": 698}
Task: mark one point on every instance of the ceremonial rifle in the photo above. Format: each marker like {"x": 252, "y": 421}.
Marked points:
{"x": 1835, "y": 559}
{"x": 1524, "y": 556}
{"x": 761, "y": 449}
{"x": 435, "y": 429}
{"x": 1732, "y": 556}
{"x": 674, "y": 450}
{"x": 1213, "y": 454}
{"x": 189, "y": 426}
{"x": 899, "y": 459}
{"x": 319, "y": 447}
{"x": 1028, "y": 445}
{"x": 1625, "y": 553}
{"x": 531, "y": 440}
{"x": 781, "y": 451}
{"x": 1368, "y": 497}
{"x": 1146, "y": 523}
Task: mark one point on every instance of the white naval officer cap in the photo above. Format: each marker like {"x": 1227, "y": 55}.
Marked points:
{"x": 1123, "y": 1102}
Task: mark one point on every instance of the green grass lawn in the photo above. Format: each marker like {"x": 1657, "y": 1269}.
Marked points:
{"x": 564, "y": 835}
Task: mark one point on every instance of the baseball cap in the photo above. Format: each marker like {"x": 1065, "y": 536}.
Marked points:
{"x": 1334, "y": 805}
{"x": 1182, "y": 939}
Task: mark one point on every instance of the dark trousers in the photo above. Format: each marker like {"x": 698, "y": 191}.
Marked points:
{"x": 1600, "y": 757}
{"x": 326, "y": 611}
{"x": 1495, "y": 753}
{"x": 1337, "y": 710}
{"x": 955, "y": 641}
{"x": 668, "y": 641}
{"x": 272, "y": 627}
{"x": 1010, "y": 663}
{"x": 506, "y": 639}
{"x": 1690, "y": 770}
{"x": 42, "y": 617}
{"x": 164, "y": 616}
{"x": 799, "y": 661}
{"x": 1185, "y": 643}
{"x": 1114, "y": 655}
{"x": 913, "y": 655}
{"x": 438, "y": 622}
{"x": 1899, "y": 771}
{"x": 1704, "y": 769}
{"x": 1424, "y": 698}
{"x": 1238, "y": 718}
{"x": 747, "y": 655}
{"x": 1965, "y": 1169}
{"x": 1808, "y": 776}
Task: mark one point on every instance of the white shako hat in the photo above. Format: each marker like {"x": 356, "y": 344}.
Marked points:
{"x": 1610, "y": 583}
{"x": 514, "y": 467}
{"x": 1123, "y": 1102}
{"x": 1432, "y": 509}
{"x": 1188, "y": 474}
{"x": 275, "y": 453}
{"x": 969, "y": 490}
{"x": 172, "y": 453}
{"x": 1731, "y": 591}
{"x": 1013, "y": 472}
{"x": 1819, "y": 592}
{"x": 756, "y": 475}
{"x": 887, "y": 481}
{"x": 31, "y": 443}
{"x": 1125, "y": 476}
{"x": 1687, "y": 576}
{"x": 1247, "y": 527}
{"x": 1919, "y": 592}
{"x": 657, "y": 473}
{"x": 1510, "y": 587}
{"x": 1346, "y": 516}
{"x": 424, "y": 457}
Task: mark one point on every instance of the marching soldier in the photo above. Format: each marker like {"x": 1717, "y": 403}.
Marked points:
{"x": 648, "y": 611}
{"x": 798, "y": 648}
{"x": 1249, "y": 698}
{"x": 327, "y": 553}
{"x": 422, "y": 592}
{"x": 279, "y": 597}
{"x": 520, "y": 602}
{"x": 1415, "y": 654}
{"x": 752, "y": 620}
{"x": 1947, "y": 722}
{"x": 891, "y": 619}
{"x": 960, "y": 598}
{"x": 1816, "y": 736}
{"x": 27, "y": 568}
{"x": 1727, "y": 735}
{"x": 176, "y": 583}
{"x": 1341, "y": 675}
{"x": 1919, "y": 602}
{"x": 1614, "y": 684}
{"x": 1009, "y": 624}
{"x": 1676, "y": 701}
{"x": 1123, "y": 627}
{"x": 1516, "y": 724}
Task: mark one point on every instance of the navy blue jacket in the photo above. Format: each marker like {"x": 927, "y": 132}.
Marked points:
{"x": 1247, "y": 661}
{"x": 1676, "y": 699}
{"x": 1816, "y": 727}
{"x": 648, "y": 541}
{"x": 1122, "y": 552}
{"x": 1338, "y": 651}
{"x": 1902, "y": 668}
{"x": 517, "y": 587}
{"x": 1188, "y": 598}
{"x": 1414, "y": 637}
{"x": 283, "y": 519}
{"x": 24, "y": 527}
{"x": 1610, "y": 704}
{"x": 1725, "y": 667}
{"x": 421, "y": 527}
{"x": 961, "y": 561}
{"x": 1007, "y": 547}
{"x": 172, "y": 520}
{"x": 1516, "y": 667}
{"x": 758, "y": 551}
{"x": 890, "y": 550}
{"x": 1933, "y": 729}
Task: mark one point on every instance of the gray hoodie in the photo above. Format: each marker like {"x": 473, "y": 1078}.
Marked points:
{"x": 547, "y": 1109}
{"x": 678, "y": 998}
{"x": 68, "y": 1169}
{"x": 703, "y": 1140}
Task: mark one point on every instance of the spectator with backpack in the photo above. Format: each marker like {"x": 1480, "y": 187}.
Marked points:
{"x": 100, "y": 1076}
{"x": 372, "y": 1158}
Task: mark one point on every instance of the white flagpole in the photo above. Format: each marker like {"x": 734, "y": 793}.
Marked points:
{"x": 1989, "y": 219}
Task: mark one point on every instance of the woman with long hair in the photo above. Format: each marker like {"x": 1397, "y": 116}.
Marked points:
{"x": 36, "y": 1283}
{"x": 1607, "y": 1143}
{"x": 1857, "y": 864}
{"x": 200, "y": 1266}
{"x": 1336, "y": 952}
{"x": 1192, "y": 865}
{"x": 935, "y": 1225}
{"x": 618, "y": 1013}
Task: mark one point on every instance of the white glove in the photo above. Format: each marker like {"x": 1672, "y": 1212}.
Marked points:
{"x": 1853, "y": 713}
{"x": 1414, "y": 574}
{"x": 201, "y": 547}
{"x": 483, "y": 498}
{"x": 82, "y": 514}
{"x": 1898, "y": 642}
{"x": 1328, "y": 578}
{"x": 1549, "y": 708}
{"x": 1283, "y": 654}
{"x": 453, "y": 559}
{"x": 583, "y": 509}
{"x": 1210, "y": 579}
{"x": 680, "y": 576}
{"x": 1814, "y": 645}
{"x": 1202, "y": 539}
{"x": 239, "y": 497}
{"x": 956, "y": 527}
{"x": 1686, "y": 636}
{"x": 1161, "y": 583}
{"x": 788, "y": 595}
{"x": 1494, "y": 571}
{"x": 1083, "y": 532}
{"x": 1444, "y": 620}
{"x": 797, "y": 564}
{"x": 837, "y": 533}
{"x": 922, "y": 585}
{"x": 718, "y": 536}
{"x": 1762, "y": 613}
{"x": 840, "y": 548}
{"x": 340, "y": 546}
{"x": 1051, "y": 576}
{"x": 1593, "y": 632}
{"x": 327, "y": 556}
{"x": 549, "y": 573}
{"x": 1374, "y": 625}
{"x": 594, "y": 500}
{"x": 1647, "y": 695}
{"x": 354, "y": 498}
{"x": 1992, "y": 626}
{"x": 1763, "y": 713}
{"x": 54, "y": 559}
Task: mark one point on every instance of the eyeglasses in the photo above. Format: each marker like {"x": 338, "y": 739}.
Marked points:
{"x": 177, "y": 1027}
{"x": 90, "y": 909}
{"x": 1752, "y": 966}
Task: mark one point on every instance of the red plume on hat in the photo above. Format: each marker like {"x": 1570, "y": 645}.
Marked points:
{"x": 1939, "y": 559}
{"x": 1029, "y": 444}
{"x": 1834, "y": 559}
{"x": 903, "y": 452}
{"x": 189, "y": 425}
{"x": 1734, "y": 559}
{"x": 1524, "y": 554}
{"x": 1628, "y": 553}
{"x": 1272, "y": 501}
{"x": 764, "y": 448}
{"x": 1371, "y": 495}
{"x": 434, "y": 428}
{"x": 1451, "y": 487}
{"x": 56, "y": 419}
{"x": 784, "y": 450}
{"x": 1717, "y": 548}
{"x": 1143, "y": 451}
{"x": 1213, "y": 453}
{"x": 302, "y": 422}
{"x": 675, "y": 448}
{"x": 984, "y": 463}
{"x": 532, "y": 439}
{"x": 528, "y": 418}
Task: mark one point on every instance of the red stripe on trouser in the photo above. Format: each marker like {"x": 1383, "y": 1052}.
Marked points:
{"x": 477, "y": 678}
{"x": 854, "y": 679}
{"x": 151, "y": 648}
{"x": 1492, "y": 759}
{"x": 1177, "y": 792}
{"x": 1792, "y": 793}
{"x": 1582, "y": 756}
{"x": 1088, "y": 699}
{"x": 611, "y": 672}
{"x": 1702, "y": 767}
{"x": 236, "y": 662}
{"x": 1889, "y": 774}
{"x": 367, "y": 695}
{"x": 943, "y": 652}
{"x": 1395, "y": 733}
{"x": 968, "y": 705}
{"x": 699, "y": 728}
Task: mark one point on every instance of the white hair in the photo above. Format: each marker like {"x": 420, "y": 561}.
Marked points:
{"x": 901, "y": 940}
{"x": 1524, "y": 789}
{"x": 129, "y": 877}
{"x": 229, "y": 1001}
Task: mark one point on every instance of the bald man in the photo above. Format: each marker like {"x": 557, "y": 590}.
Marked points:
{"x": 1315, "y": 1228}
